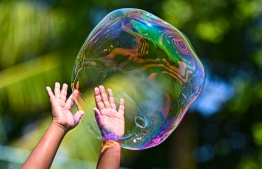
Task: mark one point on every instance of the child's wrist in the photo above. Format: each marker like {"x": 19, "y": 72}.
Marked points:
{"x": 106, "y": 144}
{"x": 59, "y": 127}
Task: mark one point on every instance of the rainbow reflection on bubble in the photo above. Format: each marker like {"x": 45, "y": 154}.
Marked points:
{"x": 146, "y": 61}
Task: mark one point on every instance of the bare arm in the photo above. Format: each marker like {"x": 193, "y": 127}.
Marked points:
{"x": 111, "y": 123}
{"x": 110, "y": 155}
{"x": 63, "y": 120}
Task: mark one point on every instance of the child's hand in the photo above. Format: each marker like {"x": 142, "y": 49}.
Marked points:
{"x": 110, "y": 121}
{"x": 61, "y": 107}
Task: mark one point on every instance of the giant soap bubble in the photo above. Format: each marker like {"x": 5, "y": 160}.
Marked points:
{"x": 147, "y": 62}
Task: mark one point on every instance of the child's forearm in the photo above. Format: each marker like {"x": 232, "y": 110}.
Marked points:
{"x": 43, "y": 154}
{"x": 110, "y": 155}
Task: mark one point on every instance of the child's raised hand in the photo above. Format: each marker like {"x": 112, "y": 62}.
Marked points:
{"x": 61, "y": 107}
{"x": 110, "y": 121}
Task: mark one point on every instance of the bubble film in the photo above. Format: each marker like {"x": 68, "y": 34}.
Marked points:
{"x": 147, "y": 62}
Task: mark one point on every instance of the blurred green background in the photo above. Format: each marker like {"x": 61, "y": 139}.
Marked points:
{"x": 39, "y": 40}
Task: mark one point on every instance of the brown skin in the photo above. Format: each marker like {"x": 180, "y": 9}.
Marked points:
{"x": 110, "y": 155}
{"x": 111, "y": 123}
{"x": 63, "y": 121}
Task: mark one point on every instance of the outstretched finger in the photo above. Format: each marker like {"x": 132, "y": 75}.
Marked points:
{"x": 121, "y": 106}
{"x": 99, "y": 118}
{"x": 50, "y": 93}
{"x": 57, "y": 91}
{"x": 77, "y": 116}
{"x": 70, "y": 101}
{"x": 64, "y": 93}
{"x": 97, "y": 112}
{"x": 111, "y": 99}
{"x": 104, "y": 96}
{"x": 98, "y": 99}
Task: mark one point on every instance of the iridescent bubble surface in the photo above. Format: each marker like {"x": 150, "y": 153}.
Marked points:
{"x": 145, "y": 61}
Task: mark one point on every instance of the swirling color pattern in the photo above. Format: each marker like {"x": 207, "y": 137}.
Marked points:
{"x": 146, "y": 61}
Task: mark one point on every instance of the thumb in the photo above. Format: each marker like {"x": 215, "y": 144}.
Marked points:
{"x": 97, "y": 112}
{"x": 77, "y": 116}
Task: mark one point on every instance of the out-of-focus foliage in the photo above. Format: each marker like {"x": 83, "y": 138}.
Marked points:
{"x": 39, "y": 41}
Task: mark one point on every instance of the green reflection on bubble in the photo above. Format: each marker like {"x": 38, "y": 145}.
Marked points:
{"x": 146, "y": 61}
